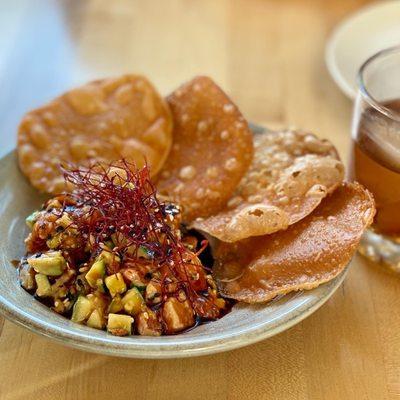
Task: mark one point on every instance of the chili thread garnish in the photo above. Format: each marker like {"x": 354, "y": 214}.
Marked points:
{"x": 121, "y": 200}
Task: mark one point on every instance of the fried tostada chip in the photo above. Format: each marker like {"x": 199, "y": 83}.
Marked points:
{"x": 307, "y": 254}
{"x": 291, "y": 173}
{"x": 102, "y": 121}
{"x": 211, "y": 152}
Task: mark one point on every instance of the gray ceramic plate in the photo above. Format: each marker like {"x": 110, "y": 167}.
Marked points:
{"x": 244, "y": 325}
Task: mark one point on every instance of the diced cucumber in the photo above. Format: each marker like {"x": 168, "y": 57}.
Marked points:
{"x": 43, "y": 285}
{"x": 64, "y": 221}
{"x": 132, "y": 301}
{"x": 96, "y": 273}
{"x": 108, "y": 257}
{"x": 116, "y": 305}
{"x": 98, "y": 300}
{"x": 31, "y": 219}
{"x": 50, "y": 263}
{"x": 115, "y": 284}
{"x": 119, "y": 325}
{"x": 95, "y": 320}
{"x": 144, "y": 252}
{"x": 82, "y": 309}
{"x": 54, "y": 242}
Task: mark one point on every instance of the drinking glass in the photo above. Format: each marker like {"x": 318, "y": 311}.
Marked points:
{"x": 375, "y": 152}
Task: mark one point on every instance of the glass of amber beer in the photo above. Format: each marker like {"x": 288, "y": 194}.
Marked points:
{"x": 375, "y": 153}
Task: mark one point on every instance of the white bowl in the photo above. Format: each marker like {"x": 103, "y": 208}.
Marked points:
{"x": 244, "y": 325}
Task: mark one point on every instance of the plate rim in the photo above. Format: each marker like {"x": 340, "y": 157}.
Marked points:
{"x": 138, "y": 351}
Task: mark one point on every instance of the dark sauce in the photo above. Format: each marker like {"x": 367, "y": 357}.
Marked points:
{"x": 207, "y": 260}
{"x": 206, "y": 256}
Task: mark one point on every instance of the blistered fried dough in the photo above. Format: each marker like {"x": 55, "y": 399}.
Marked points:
{"x": 102, "y": 121}
{"x": 290, "y": 174}
{"x": 307, "y": 254}
{"x": 211, "y": 152}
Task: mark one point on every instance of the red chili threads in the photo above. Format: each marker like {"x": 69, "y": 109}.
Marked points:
{"x": 120, "y": 201}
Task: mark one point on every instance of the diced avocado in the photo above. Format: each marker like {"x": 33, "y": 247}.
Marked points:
{"x": 95, "y": 320}
{"x": 82, "y": 309}
{"x": 96, "y": 273}
{"x": 31, "y": 219}
{"x": 54, "y": 242}
{"x": 50, "y": 263}
{"x": 132, "y": 301}
{"x": 43, "y": 285}
{"x": 115, "y": 284}
{"x": 116, "y": 305}
{"x": 119, "y": 325}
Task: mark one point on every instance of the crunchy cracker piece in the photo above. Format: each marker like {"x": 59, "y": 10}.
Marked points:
{"x": 102, "y": 121}
{"x": 211, "y": 152}
{"x": 307, "y": 254}
{"x": 291, "y": 173}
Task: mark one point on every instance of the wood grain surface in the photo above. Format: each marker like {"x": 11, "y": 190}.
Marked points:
{"x": 269, "y": 55}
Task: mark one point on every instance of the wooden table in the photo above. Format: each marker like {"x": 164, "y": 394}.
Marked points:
{"x": 269, "y": 56}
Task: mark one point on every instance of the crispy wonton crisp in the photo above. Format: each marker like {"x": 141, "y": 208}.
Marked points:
{"x": 290, "y": 174}
{"x": 102, "y": 121}
{"x": 307, "y": 254}
{"x": 211, "y": 152}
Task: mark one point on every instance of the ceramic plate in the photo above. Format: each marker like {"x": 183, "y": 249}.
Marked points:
{"x": 246, "y": 324}
{"x": 358, "y": 37}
